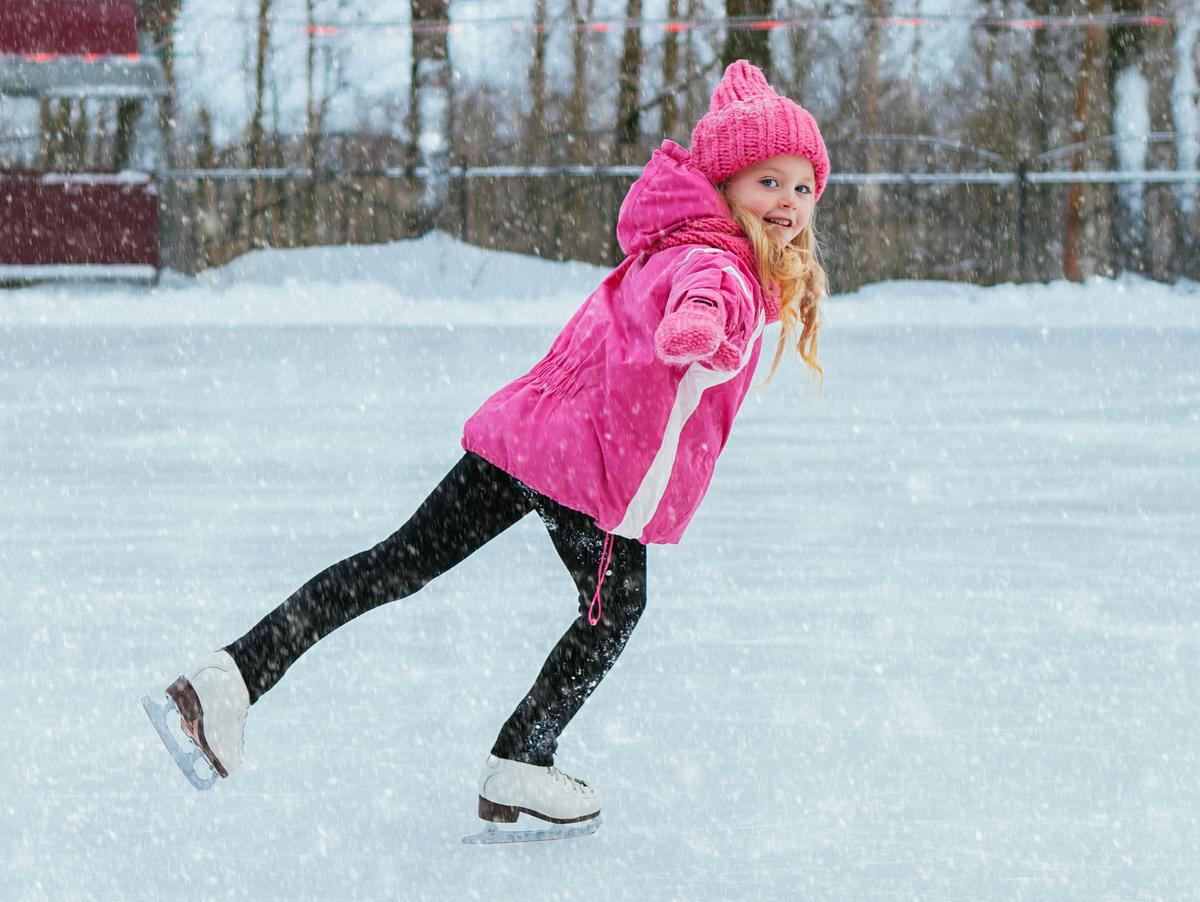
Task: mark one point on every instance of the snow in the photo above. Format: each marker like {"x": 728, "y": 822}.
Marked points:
{"x": 125, "y": 177}
{"x": 19, "y": 272}
{"x": 931, "y": 636}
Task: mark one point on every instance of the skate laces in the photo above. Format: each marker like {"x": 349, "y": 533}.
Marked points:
{"x": 570, "y": 782}
{"x": 605, "y": 557}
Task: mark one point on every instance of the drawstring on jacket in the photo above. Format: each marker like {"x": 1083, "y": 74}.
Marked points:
{"x": 605, "y": 557}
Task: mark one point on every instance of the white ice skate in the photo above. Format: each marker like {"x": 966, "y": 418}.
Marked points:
{"x": 508, "y": 789}
{"x": 211, "y": 700}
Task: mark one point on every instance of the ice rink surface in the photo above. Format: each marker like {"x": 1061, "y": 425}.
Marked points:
{"x": 934, "y": 634}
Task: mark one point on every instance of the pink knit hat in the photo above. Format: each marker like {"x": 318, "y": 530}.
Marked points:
{"x": 747, "y": 122}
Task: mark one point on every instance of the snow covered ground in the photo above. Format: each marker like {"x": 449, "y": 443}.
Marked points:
{"x": 934, "y": 634}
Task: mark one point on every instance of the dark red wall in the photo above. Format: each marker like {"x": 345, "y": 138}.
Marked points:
{"x": 48, "y": 218}
{"x": 70, "y": 27}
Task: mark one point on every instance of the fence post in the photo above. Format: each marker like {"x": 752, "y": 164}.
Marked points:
{"x": 463, "y": 206}
{"x": 345, "y": 205}
{"x": 1022, "y": 184}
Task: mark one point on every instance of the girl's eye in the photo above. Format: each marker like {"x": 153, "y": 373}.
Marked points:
{"x": 804, "y": 188}
{"x": 763, "y": 182}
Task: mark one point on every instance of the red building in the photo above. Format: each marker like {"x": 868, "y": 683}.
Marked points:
{"x": 56, "y": 224}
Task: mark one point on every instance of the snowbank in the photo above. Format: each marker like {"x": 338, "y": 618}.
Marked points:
{"x": 433, "y": 280}
{"x": 438, "y": 280}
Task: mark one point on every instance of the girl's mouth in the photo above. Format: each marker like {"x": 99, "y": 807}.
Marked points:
{"x": 779, "y": 221}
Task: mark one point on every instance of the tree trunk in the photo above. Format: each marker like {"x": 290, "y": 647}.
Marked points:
{"x": 628, "y": 112}
{"x": 77, "y": 134}
{"x": 178, "y": 200}
{"x": 1184, "y": 77}
{"x": 208, "y": 214}
{"x": 128, "y": 113}
{"x": 577, "y": 118}
{"x": 1048, "y": 73}
{"x": 670, "y": 76}
{"x": 868, "y": 109}
{"x": 311, "y": 131}
{"x": 255, "y": 138}
{"x": 1054, "y": 53}
{"x": 695, "y": 101}
{"x": 753, "y": 44}
{"x": 798, "y": 43}
{"x": 536, "y": 127}
{"x": 1161, "y": 235}
{"x": 430, "y": 106}
{"x": 1125, "y": 53}
{"x": 46, "y": 144}
{"x": 254, "y": 141}
{"x": 1080, "y": 250}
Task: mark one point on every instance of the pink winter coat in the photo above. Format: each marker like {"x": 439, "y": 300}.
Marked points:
{"x": 601, "y": 424}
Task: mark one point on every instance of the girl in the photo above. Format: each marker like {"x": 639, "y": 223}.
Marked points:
{"x": 612, "y": 438}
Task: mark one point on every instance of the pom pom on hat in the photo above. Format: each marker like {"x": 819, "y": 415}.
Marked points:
{"x": 743, "y": 81}
{"x": 747, "y": 122}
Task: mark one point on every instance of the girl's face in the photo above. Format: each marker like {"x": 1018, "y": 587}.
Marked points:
{"x": 778, "y": 190}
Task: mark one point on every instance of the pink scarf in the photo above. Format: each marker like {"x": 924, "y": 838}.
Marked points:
{"x": 723, "y": 233}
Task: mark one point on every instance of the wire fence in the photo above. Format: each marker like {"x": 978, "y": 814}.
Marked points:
{"x": 1005, "y": 221}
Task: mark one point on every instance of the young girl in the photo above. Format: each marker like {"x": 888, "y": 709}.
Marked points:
{"x": 612, "y": 438}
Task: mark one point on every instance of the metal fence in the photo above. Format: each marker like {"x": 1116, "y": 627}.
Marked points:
{"x": 1007, "y": 222}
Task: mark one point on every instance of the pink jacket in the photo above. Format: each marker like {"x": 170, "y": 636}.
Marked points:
{"x": 601, "y": 424}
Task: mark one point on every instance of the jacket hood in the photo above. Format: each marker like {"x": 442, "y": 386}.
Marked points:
{"x": 669, "y": 192}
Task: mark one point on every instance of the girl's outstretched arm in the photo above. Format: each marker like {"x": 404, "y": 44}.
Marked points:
{"x": 701, "y": 314}
{"x": 692, "y": 333}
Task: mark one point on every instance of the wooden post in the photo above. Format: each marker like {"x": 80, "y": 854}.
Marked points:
{"x": 1022, "y": 185}
{"x": 1078, "y": 195}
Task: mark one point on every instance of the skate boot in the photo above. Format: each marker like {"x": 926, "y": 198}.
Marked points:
{"x": 212, "y": 700}
{"x": 508, "y": 789}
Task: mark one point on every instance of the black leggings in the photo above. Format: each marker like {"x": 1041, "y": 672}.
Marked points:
{"x": 474, "y": 503}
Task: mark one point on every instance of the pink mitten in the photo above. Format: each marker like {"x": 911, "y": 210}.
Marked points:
{"x": 687, "y": 335}
{"x": 727, "y": 358}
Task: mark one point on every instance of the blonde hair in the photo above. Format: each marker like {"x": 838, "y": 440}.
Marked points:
{"x": 794, "y": 273}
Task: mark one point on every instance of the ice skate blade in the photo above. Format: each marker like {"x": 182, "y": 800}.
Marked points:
{"x": 492, "y": 834}
{"x": 190, "y": 762}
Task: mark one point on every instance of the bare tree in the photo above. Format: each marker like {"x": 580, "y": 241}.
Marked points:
{"x": 670, "y": 74}
{"x": 324, "y": 80}
{"x": 311, "y": 127}
{"x": 577, "y": 109}
{"x": 1083, "y": 226}
{"x": 751, "y": 44}
{"x": 128, "y": 113}
{"x": 77, "y": 135}
{"x": 244, "y": 221}
{"x": 206, "y": 212}
{"x": 868, "y": 103}
{"x": 1160, "y": 241}
{"x": 798, "y": 44}
{"x": 255, "y": 138}
{"x": 1125, "y": 56}
{"x": 1048, "y": 68}
{"x": 535, "y": 126}
{"x": 691, "y": 96}
{"x": 628, "y": 111}
{"x": 1186, "y": 53}
{"x": 58, "y": 125}
{"x": 157, "y": 18}
{"x": 430, "y": 104}
{"x": 47, "y": 146}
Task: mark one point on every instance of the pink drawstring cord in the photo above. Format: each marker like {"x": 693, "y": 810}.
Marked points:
{"x": 605, "y": 557}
